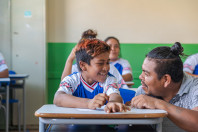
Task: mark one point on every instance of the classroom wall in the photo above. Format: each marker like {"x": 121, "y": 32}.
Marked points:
{"x": 134, "y": 53}
{"x": 29, "y": 52}
{"x": 5, "y": 41}
{"x": 23, "y": 43}
{"x": 140, "y": 26}
{"x": 132, "y": 21}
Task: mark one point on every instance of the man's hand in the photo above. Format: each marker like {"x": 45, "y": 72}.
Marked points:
{"x": 116, "y": 107}
{"x": 144, "y": 101}
{"x": 98, "y": 101}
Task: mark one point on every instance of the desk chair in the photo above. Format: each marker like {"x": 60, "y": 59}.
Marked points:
{"x": 130, "y": 84}
{"x": 11, "y": 101}
{"x": 2, "y": 107}
{"x": 126, "y": 94}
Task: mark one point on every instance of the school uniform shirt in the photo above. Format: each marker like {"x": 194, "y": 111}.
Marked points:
{"x": 3, "y": 65}
{"x": 122, "y": 66}
{"x": 191, "y": 64}
{"x": 121, "y": 83}
{"x": 76, "y": 86}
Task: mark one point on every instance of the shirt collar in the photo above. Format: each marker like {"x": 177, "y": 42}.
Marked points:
{"x": 187, "y": 80}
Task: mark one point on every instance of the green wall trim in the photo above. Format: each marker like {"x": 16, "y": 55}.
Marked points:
{"x": 133, "y": 52}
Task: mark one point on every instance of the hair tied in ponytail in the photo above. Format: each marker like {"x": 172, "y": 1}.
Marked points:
{"x": 177, "y": 49}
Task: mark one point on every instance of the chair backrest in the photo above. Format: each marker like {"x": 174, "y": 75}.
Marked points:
{"x": 126, "y": 94}
{"x": 12, "y": 72}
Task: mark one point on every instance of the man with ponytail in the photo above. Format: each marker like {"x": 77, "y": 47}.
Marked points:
{"x": 165, "y": 86}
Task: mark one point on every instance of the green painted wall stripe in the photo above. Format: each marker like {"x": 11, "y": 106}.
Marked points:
{"x": 134, "y": 53}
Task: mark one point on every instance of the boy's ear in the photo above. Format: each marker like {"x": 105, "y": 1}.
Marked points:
{"x": 83, "y": 66}
{"x": 167, "y": 80}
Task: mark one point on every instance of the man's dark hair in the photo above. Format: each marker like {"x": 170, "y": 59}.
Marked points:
{"x": 168, "y": 61}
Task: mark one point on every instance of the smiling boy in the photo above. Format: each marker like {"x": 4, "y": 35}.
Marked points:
{"x": 93, "y": 86}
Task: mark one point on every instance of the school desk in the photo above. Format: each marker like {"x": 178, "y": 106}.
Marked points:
{"x": 20, "y": 77}
{"x": 7, "y": 82}
{"x": 130, "y": 84}
{"x": 51, "y": 114}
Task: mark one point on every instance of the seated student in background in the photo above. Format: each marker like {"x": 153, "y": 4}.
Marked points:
{"x": 3, "y": 68}
{"x": 191, "y": 64}
{"x": 93, "y": 86}
{"x": 121, "y": 64}
{"x": 70, "y": 68}
{"x": 165, "y": 86}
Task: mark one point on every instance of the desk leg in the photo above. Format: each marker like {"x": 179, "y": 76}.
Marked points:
{"x": 24, "y": 109}
{"x": 159, "y": 127}
{"x": 41, "y": 125}
{"x": 7, "y": 108}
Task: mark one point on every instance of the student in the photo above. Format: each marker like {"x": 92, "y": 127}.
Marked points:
{"x": 3, "y": 67}
{"x": 191, "y": 64}
{"x": 88, "y": 34}
{"x": 121, "y": 64}
{"x": 71, "y": 68}
{"x": 165, "y": 86}
{"x": 93, "y": 86}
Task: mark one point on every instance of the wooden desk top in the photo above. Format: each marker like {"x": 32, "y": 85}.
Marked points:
{"x": 52, "y": 111}
{"x": 129, "y": 83}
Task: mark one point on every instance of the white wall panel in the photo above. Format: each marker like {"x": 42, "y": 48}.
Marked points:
{"x": 29, "y": 51}
{"x": 5, "y": 41}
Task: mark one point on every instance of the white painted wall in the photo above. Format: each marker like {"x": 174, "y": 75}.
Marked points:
{"x": 29, "y": 51}
{"x": 23, "y": 43}
{"x": 132, "y": 21}
{"x": 5, "y": 41}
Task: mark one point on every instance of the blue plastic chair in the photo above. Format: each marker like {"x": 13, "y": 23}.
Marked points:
{"x": 126, "y": 94}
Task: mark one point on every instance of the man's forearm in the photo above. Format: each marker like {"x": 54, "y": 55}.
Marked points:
{"x": 184, "y": 118}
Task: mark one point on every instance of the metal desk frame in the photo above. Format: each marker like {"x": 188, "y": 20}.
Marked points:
{"x": 7, "y": 81}
{"x": 47, "y": 115}
{"x": 21, "y": 77}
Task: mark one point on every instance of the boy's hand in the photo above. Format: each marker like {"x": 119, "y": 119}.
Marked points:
{"x": 116, "y": 107}
{"x": 128, "y": 103}
{"x": 98, "y": 101}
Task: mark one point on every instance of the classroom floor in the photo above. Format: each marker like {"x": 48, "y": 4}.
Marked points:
{"x": 86, "y": 128}
{"x": 29, "y": 128}
{"x": 101, "y": 128}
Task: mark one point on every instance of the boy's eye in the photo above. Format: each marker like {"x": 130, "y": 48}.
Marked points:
{"x": 100, "y": 63}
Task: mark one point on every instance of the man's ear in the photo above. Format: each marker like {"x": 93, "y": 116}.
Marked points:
{"x": 83, "y": 66}
{"x": 167, "y": 80}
